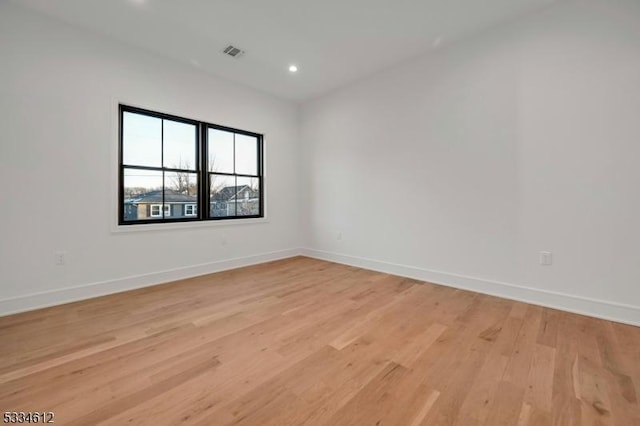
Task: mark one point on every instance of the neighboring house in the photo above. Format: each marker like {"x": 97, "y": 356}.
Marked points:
{"x": 150, "y": 205}
{"x": 239, "y": 200}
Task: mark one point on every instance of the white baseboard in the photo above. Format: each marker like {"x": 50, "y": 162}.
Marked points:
{"x": 45, "y": 299}
{"x": 612, "y": 311}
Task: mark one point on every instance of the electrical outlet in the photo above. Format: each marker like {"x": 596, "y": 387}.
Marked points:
{"x": 224, "y": 242}
{"x": 60, "y": 258}
{"x": 339, "y": 236}
{"x": 546, "y": 258}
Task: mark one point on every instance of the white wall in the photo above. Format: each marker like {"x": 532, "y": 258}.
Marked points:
{"x": 462, "y": 165}
{"x": 58, "y": 88}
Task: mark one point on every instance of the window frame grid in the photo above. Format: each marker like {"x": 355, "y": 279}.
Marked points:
{"x": 259, "y": 169}
{"x": 201, "y": 169}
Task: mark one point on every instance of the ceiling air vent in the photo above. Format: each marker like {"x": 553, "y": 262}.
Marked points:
{"x": 232, "y": 51}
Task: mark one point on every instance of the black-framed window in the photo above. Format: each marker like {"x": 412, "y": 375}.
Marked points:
{"x": 174, "y": 169}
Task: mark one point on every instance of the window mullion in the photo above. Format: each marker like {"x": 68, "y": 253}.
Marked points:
{"x": 203, "y": 194}
{"x": 162, "y": 163}
{"x": 261, "y": 176}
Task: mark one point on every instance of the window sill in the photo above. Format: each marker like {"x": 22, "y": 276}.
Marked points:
{"x": 124, "y": 229}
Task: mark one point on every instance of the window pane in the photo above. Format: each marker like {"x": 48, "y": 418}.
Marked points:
{"x": 141, "y": 140}
{"x": 179, "y": 145}
{"x": 222, "y": 191}
{"x": 248, "y": 197}
{"x": 190, "y": 210}
{"x": 220, "y": 151}
{"x": 142, "y": 189}
{"x": 181, "y": 190}
{"x": 246, "y": 155}
{"x": 155, "y": 210}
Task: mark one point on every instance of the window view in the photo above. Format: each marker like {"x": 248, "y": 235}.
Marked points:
{"x": 234, "y": 182}
{"x": 162, "y": 177}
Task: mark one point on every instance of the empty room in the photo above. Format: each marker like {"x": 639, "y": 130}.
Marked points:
{"x": 296, "y": 212}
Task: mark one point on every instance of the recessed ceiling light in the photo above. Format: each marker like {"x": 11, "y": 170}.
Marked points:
{"x": 293, "y": 68}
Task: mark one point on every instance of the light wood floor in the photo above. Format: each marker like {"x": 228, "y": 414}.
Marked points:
{"x": 302, "y": 341}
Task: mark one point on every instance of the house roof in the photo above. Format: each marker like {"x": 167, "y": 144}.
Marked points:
{"x": 170, "y": 196}
{"x": 227, "y": 193}
{"x": 252, "y": 193}
{"x": 231, "y": 192}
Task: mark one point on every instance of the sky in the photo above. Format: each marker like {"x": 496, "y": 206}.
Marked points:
{"x": 143, "y": 146}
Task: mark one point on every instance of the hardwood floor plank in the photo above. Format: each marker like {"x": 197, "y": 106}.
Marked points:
{"x": 426, "y": 407}
{"x": 378, "y": 396}
{"x": 539, "y": 388}
{"x": 506, "y": 408}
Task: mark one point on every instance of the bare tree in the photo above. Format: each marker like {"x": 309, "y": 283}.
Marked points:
{"x": 184, "y": 182}
{"x": 130, "y": 192}
{"x": 215, "y": 184}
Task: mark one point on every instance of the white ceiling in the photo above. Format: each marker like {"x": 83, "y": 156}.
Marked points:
{"x": 333, "y": 42}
